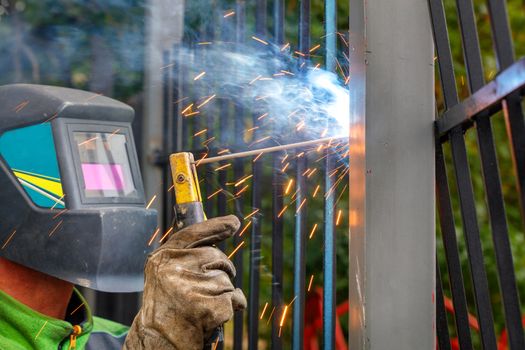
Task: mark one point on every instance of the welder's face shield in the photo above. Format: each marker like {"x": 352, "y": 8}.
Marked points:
{"x": 73, "y": 194}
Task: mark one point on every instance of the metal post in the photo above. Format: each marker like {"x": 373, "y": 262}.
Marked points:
{"x": 392, "y": 235}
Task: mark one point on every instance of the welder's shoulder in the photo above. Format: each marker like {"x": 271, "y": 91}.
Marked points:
{"x": 106, "y": 335}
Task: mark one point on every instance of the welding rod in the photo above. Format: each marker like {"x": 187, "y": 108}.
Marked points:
{"x": 268, "y": 150}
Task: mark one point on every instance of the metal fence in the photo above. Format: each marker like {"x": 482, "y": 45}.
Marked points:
{"x": 503, "y": 93}
{"x": 258, "y": 206}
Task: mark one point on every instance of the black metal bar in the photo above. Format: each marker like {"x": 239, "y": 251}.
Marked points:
{"x": 443, "y": 336}
{"x": 277, "y": 206}
{"x": 471, "y": 230}
{"x": 507, "y": 82}
{"x": 448, "y": 233}
{"x": 238, "y": 172}
{"x": 492, "y": 181}
{"x": 512, "y": 106}
{"x": 441, "y": 41}
{"x": 255, "y": 242}
{"x": 500, "y": 234}
{"x": 167, "y": 109}
{"x": 299, "y": 254}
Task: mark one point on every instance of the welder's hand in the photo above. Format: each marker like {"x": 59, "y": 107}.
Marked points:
{"x": 188, "y": 290}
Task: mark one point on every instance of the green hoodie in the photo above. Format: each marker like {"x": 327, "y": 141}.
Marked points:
{"x": 22, "y": 328}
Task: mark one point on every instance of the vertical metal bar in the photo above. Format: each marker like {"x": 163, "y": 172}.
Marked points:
{"x": 471, "y": 230}
{"x": 238, "y": 171}
{"x": 255, "y": 243}
{"x": 444, "y": 55}
{"x": 300, "y": 216}
{"x": 329, "y": 257}
{"x": 448, "y": 233}
{"x": 441, "y": 315}
{"x": 277, "y": 206}
{"x": 513, "y": 111}
{"x": 299, "y": 253}
{"x": 166, "y": 115}
{"x": 500, "y": 234}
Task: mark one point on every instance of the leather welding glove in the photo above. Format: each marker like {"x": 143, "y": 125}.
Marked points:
{"x": 188, "y": 290}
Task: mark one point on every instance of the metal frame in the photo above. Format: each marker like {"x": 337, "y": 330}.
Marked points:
{"x": 504, "y": 92}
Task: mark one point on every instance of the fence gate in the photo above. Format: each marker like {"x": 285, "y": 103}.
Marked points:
{"x": 454, "y": 126}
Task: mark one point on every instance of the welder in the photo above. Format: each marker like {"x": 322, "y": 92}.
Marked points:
{"x": 72, "y": 209}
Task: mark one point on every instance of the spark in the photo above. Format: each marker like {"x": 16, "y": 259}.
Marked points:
{"x": 201, "y": 159}
{"x": 312, "y": 232}
{"x": 300, "y": 155}
{"x": 55, "y": 228}
{"x": 208, "y": 141}
{"x": 251, "y": 214}
{"x": 57, "y": 202}
{"x": 60, "y": 213}
{"x": 305, "y": 172}
{"x": 226, "y": 150}
{"x": 41, "y": 329}
{"x": 215, "y": 193}
{"x": 283, "y": 316}
{"x": 167, "y": 66}
{"x": 299, "y": 53}
{"x": 241, "y": 190}
{"x": 300, "y": 125}
{"x": 87, "y": 141}
{"x": 259, "y": 40}
{"x": 8, "y": 240}
{"x": 310, "y": 283}
{"x": 231, "y": 13}
{"x": 78, "y": 307}
{"x": 289, "y": 186}
{"x": 206, "y": 101}
{"x": 251, "y": 129}
{"x": 188, "y": 108}
{"x": 52, "y": 117}
{"x": 258, "y": 156}
{"x": 315, "y": 48}
{"x": 317, "y": 66}
{"x": 282, "y": 211}
{"x": 285, "y": 167}
{"x": 235, "y": 250}
{"x": 200, "y": 132}
{"x": 245, "y": 228}
{"x": 205, "y": 43}
{"x": 154, "y": 235}
{"x": 312, "y": 172}
{"x": 271, "y": 314}
{"x": 262, "y": 116}
{"x": 339, "y": 215}
{"x": 192, "y": 114}
{"x": 166, "y": 234}
{"x": 342, "y": 192}
{"x": 114, "y": 132}
{"x": 286, "y": 72}
{"x": 21, "y": 106}
{"x": 316, "y": 190}
{"x": 325, "y": 131}
{"x": 254, "y": 80}
{"x": 300, "y": 205}
{"x": 242, "y": 180}
{"x": 216, "y": 344}
{"x": 264, "y": 310}
{"x": 94, "y": 96}
{"x": 260, "y": 140}
{"x": 284, "y": 158}
{"x": 151, "y": 201}
{"x": 200, "y": 75}
{"x": 287, "y": 45}
{"x": 347, "y": 80}
{"x": 223, "y": 166}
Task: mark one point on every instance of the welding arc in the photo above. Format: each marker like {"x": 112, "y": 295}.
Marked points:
{"x": 256, "y": 152}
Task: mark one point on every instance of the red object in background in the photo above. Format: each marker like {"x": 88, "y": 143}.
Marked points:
{"x": 313, "y": 323}
{"x": 473, "y": 323}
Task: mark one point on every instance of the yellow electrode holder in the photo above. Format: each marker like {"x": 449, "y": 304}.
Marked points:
{"x": 188, "y": 200}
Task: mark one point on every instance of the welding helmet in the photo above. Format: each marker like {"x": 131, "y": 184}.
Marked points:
{"x": 71, "y": 195}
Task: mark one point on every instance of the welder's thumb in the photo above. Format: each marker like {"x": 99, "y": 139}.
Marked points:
{"x": 205, "y": 233}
